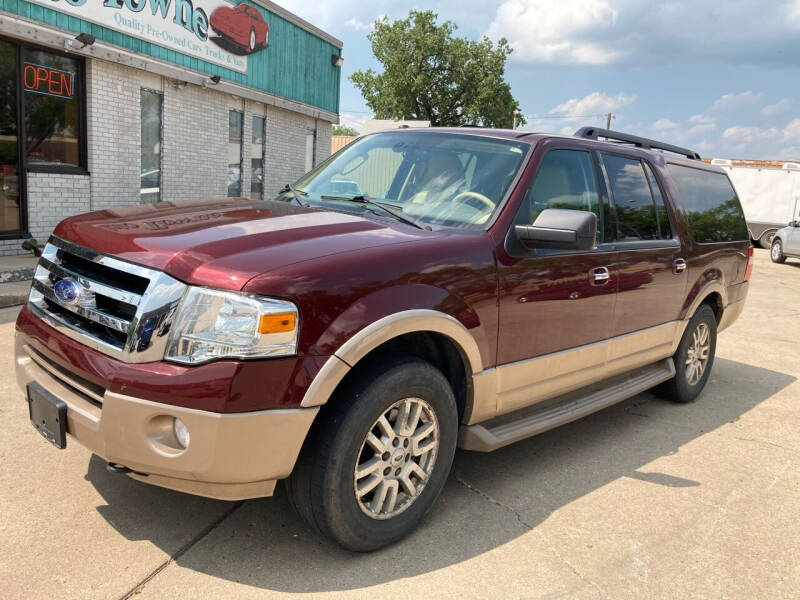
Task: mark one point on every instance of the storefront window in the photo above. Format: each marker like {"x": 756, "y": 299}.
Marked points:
{"x": 9, "y": 146}
{"x": 51, "y": 104}
{"x": 235, "y": 134}
{"x": 151, "y": 107}
{"x": 257, "y": 158}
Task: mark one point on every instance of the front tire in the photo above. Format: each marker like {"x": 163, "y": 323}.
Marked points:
{"x": 776, "y": 252}
{"x": 379, "y": 455}
{"x": 694, "y": 358}
{"x": 252, "y": 40}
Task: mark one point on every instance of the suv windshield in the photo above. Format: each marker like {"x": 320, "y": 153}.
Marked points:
{"x": 435, "y": 179}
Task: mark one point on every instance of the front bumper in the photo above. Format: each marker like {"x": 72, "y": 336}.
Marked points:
{"x": 229, "y": 456}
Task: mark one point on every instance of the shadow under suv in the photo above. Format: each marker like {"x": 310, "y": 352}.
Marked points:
{"x": 418, "y": 291}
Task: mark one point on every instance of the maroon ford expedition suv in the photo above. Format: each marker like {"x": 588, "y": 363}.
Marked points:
{"x": 420, "y": 290}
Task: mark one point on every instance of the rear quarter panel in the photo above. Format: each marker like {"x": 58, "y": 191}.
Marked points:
{"x": 711, "y": 265}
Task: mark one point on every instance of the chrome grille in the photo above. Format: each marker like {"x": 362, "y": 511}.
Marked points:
{"x": 118, "y": 308}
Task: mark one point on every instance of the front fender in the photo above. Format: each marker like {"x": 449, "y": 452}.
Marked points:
{"x": 390, "y": 313}
{"x": 359, "y": 320}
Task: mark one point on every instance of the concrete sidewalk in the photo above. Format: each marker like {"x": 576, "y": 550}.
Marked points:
{"x": 16, "y": 273}
{"x": 646, "y": 499}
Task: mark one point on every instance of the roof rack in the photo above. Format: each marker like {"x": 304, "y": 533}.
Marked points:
{"x": 593, "y": 133}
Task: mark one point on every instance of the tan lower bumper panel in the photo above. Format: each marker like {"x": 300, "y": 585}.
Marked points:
{"x": 218, "y": 491}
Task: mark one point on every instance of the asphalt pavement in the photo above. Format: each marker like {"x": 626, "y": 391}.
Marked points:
{"x": 646, "y": 499}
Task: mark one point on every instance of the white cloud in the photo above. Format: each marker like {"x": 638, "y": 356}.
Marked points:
{"x": 593, "y": 104}
{"x": 750, "y": 133}
{"x": 734, "y": 102}
{"x": 778, "y": 109}
{"x": 666, "y": 125}
{"x": 765, "y": 142}
{"x": 354, "y": 23}
{"x": 551, "y": 32}
{"x": 702, "y": 119}
{"x": 600, "y": 32}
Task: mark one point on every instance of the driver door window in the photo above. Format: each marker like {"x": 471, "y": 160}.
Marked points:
{"x": 566, "y": 179}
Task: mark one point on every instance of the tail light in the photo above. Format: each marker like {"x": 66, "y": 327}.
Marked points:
{"x": 748, "y": 269}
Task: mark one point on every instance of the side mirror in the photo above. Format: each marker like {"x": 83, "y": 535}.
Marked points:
{"x": 560, "y": 229}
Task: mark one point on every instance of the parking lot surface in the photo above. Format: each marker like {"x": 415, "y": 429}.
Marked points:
{"x": 646, "y": 499}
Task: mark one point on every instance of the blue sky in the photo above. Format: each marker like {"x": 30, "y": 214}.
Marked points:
{"x": 720, "y": 77}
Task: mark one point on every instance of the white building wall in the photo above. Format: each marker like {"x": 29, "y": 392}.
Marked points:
{"x": 286, "y": 148}
{"x": 51, "y": 198}
{"x": 195, "y": 143}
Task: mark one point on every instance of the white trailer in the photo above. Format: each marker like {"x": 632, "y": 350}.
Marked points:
{"x": 769, "y": 192}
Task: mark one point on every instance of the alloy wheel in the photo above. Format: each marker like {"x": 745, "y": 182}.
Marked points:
{"x": 697, "y": 354}
{"x": 776, "y": 251}
{"x": 396, "y": 458}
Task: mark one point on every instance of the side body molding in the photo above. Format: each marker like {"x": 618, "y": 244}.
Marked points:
{"x": 383, "y": 330}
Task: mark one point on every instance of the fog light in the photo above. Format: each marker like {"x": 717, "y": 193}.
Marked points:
{"x": 181, "y": 432}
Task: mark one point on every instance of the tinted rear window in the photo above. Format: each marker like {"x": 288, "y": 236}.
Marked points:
{"x": 710, "y": 203}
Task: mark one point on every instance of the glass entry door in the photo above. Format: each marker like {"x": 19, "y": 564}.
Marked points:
{"x": 10, "y": 196}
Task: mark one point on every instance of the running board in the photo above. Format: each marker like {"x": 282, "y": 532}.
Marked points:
{"x": 510, "y": 428}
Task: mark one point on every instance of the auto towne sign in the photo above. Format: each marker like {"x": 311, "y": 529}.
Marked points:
{"x": 205, "y": 29}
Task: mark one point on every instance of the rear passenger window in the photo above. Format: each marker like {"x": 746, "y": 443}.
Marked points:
{"x": 711, "y": 205}
{"x": 661, "y": 208}
{"x": 636, "y": 213}
{"x": 566, "y": 179}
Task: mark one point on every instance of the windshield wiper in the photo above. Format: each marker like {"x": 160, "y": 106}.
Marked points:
{"x": 384, "y": 206}
{"x": 295, "y": 195}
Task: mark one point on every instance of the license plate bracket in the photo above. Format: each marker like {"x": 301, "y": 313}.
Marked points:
{"x": 48, "y": 415}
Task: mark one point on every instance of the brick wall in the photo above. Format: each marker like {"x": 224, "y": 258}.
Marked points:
{"x": 194, "y": 153}
{"x": 286, "y": 147}
{"x": 113, "y": 116}
{"x": 51, "y": 198}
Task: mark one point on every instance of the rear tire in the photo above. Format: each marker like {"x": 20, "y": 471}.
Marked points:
{"x": 693, "y": 359}
{"x": 776, "y": 252}
{"x": 391, "y": 431}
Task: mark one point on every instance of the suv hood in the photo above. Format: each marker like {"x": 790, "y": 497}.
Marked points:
{"x": 225, "y": 243}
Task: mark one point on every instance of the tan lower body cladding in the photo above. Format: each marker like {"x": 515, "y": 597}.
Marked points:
{"x": 229, "y": 456}
{"x": 519, "y": 385}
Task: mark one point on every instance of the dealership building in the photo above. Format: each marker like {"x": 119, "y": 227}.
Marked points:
{"x": 110, "y": 103}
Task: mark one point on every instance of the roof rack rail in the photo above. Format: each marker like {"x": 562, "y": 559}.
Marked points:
{"x": 593, "y": 133}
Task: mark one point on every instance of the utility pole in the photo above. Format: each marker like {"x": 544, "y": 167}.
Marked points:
{"x": 516, "y": 118}
{"x": 609, "y": 116}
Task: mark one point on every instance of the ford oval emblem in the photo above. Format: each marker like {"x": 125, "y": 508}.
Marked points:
{"x": 68, "y": 291}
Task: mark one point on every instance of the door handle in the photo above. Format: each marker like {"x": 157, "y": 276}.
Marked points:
{"x": 599, "y": 276}
{"x": 678, "y": 265}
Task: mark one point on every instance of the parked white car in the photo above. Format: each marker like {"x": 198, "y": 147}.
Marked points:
{"x": 786, "y": 243}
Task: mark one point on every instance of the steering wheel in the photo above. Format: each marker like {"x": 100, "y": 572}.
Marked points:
{"x": 487, "y": 205}
{"x": 484, "y": 210}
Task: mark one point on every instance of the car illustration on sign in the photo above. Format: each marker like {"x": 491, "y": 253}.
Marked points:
{"x": 243, "y": 26}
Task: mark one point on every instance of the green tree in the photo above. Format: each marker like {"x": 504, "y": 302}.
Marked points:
{"x": 431, "y": 75}
{"x": 344, "y": 130}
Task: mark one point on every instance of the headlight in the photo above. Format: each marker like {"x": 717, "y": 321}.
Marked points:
{"x": 213, "y": 324}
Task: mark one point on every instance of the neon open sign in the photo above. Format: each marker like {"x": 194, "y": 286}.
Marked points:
{"x": 48, "y": 81}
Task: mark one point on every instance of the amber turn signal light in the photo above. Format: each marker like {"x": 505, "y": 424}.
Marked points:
{"x": 282, "y": 323}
